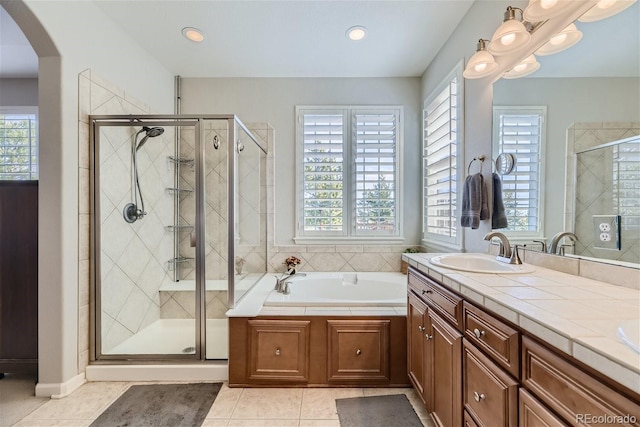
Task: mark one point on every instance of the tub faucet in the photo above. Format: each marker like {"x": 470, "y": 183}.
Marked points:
{"x": 282, "y": 283}
{"x": 555, "y": 240}
{"x": 505, "y": 253}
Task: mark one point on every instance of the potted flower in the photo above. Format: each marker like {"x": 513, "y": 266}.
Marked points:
{"x": 291, "y": 263}
{"x": 404, "y": 268}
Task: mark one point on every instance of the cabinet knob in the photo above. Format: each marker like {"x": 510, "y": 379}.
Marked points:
{"x": 421, "y": 328}
{"x": 478, "y": 396}
{"x": 428, "y": 337}
{"x": 478, "y": 333}
{"x": 427, "y": 291}
{"x": 277, "y": 352}
{"x": 358, "y": 352}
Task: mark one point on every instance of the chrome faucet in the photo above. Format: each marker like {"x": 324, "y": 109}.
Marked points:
{"x": 555, "y": 240}
{"x": 506, "y": 253}
{"x": 282, "y": 283}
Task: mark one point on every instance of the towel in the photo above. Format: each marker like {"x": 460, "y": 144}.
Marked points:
{"x": 498, "y": 217}
{"x": 475, "y": 205}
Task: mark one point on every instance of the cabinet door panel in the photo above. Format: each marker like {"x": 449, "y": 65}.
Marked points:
{"x": 416, "y": 329}
{"x": 358, "y": 350}
{"x": 534, "y": 414}
{"x": 490, "y": 394}
{"x": 279, "y": 350}
{"x": 445, "y": 351}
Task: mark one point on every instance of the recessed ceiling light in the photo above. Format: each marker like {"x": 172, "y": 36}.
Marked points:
{"x": 193, "y": 34}
{"x": 357, "y": 33}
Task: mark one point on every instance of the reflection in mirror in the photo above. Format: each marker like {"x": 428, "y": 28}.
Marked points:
{"x": 597, "y": 81}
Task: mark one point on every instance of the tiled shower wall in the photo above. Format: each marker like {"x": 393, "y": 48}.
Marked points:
{"x": 591, "y": 188}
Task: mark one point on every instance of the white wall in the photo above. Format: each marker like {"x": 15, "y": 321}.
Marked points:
{"x": 96, "y": 43}
{"x": 273, "y": 100}
{"x": 568, "y": 100}
{"x": 18, "y": 92}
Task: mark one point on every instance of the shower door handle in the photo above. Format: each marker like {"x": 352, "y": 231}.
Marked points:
{"x": 240, "y": 146}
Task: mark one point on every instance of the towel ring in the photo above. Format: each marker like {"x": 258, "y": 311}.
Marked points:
{"x": 478, "y": 159}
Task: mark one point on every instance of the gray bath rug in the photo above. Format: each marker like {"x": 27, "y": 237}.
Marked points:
{"x": 377, "y": 411}
{"x": 160, "y": 405}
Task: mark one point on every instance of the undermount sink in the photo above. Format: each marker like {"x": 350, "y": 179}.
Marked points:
{"x": 479, "y": 263}
{"x": 629, "y": 333}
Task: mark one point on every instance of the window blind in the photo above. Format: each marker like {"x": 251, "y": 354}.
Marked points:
{"x": 440, "y": 163}
{"x": 18, "y": 147}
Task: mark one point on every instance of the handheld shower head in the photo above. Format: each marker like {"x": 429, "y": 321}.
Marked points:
{"x": 151, "y": 133}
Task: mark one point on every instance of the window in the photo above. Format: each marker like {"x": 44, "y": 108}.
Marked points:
{"x": 18, "y": 145}
{"x": 349, "y": 164}
{"x": 520, "y": 131}
{"x": 442, "y": 139}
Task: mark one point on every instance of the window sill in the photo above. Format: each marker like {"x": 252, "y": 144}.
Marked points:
{"x": 348, "y": 240}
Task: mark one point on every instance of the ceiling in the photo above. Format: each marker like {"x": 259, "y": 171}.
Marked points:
{"x": 279, "y": 38}
{"x": 306, "y": 38}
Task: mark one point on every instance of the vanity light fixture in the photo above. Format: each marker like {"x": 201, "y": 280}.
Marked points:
{"x": 524, "y": 68}
{"x": 561, "y": 41}
{"x": 541, "y": 10}
{"x": 193, "y": 34}
{"x": 511, "y": 36}
{"x": 356, "y": 33}
{"x": 481, "y": 64}
{"x": 604, "y": 9}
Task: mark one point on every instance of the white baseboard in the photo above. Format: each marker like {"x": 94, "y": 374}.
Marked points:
{"x": 196, "y": 372}
{"x": 59, "y": 390}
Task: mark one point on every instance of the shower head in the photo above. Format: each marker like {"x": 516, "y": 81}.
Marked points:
{"x": 151, "y": 133}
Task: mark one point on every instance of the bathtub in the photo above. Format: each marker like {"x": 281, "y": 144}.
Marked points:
{"x": 372, "y": 289}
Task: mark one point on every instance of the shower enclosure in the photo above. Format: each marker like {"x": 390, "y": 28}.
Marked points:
{"x": 178, "y": 233}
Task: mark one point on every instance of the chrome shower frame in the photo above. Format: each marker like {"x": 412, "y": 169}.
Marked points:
{"x": 177, "y": 121}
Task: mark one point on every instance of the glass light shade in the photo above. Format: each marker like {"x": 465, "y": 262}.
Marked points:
{"x": 604, "y": 9}
{"x": 510, "y": 37}
{"x": 541, "y": 10}
{"x": 524, "y": 68}
{"x": 561, "y": 41}
{"x": 481, "y": 64}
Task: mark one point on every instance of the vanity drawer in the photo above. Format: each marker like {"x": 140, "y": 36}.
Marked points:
{"x": 570, "y": 392}
{"x": 490, "y": 395}
{"x": 534, "y": 414}
{"x": 497, "y": 339}
{"x": 446, "y": 303}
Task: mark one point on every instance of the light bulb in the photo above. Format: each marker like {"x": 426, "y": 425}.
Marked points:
{"x": 507, "y": 39}
{"x": 480, "y": 67}
{"x": 548, "y": 4}
{"x": 558, "y": 39}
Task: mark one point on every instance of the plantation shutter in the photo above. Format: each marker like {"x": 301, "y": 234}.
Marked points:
{"x": 440, "y": 164}
{"x": 323, "y": 171}
{"x": 520, "y": 133}
{"x": 375, "y": 170}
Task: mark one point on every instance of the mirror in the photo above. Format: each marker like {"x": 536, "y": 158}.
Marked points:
{"x": 593, "y": 86}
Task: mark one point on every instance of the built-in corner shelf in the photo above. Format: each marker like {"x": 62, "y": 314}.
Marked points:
{"x": 179, "y": 228}
{"x": 184, "y": 161}
{"x": 179, "y": 191}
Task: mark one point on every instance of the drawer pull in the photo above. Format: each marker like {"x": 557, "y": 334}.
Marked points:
{"x": 478, "y": 333}
{"x": 358, "y": 352}
{"x": 421, "y": 328}
{"x": 427, "y": 291}
{"x": 478, "y": 396}
{"x": 277, "y": 352}
{"x": 428, "y": 337}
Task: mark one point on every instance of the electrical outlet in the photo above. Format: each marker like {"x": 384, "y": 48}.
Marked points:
{"x": 606, "y": 231}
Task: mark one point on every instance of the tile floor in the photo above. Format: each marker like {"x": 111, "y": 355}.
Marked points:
{"x": 238, "y": 407}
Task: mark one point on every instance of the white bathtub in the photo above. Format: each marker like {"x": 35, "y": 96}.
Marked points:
{"x": 339, "y": 289}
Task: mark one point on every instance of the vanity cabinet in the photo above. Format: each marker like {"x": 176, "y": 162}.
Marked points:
{"x": 312, "y": 351}
{"x": 493, "y": 374}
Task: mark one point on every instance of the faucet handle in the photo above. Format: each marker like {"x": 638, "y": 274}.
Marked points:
{"x": 515, "y": 257}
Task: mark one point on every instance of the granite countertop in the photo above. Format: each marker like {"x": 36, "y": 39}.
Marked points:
{"x": 576, "y": 315}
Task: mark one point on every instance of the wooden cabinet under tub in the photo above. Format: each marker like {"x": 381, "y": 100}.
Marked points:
{"x": 316, "y": 351}
{"x": 506, "y": 376}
